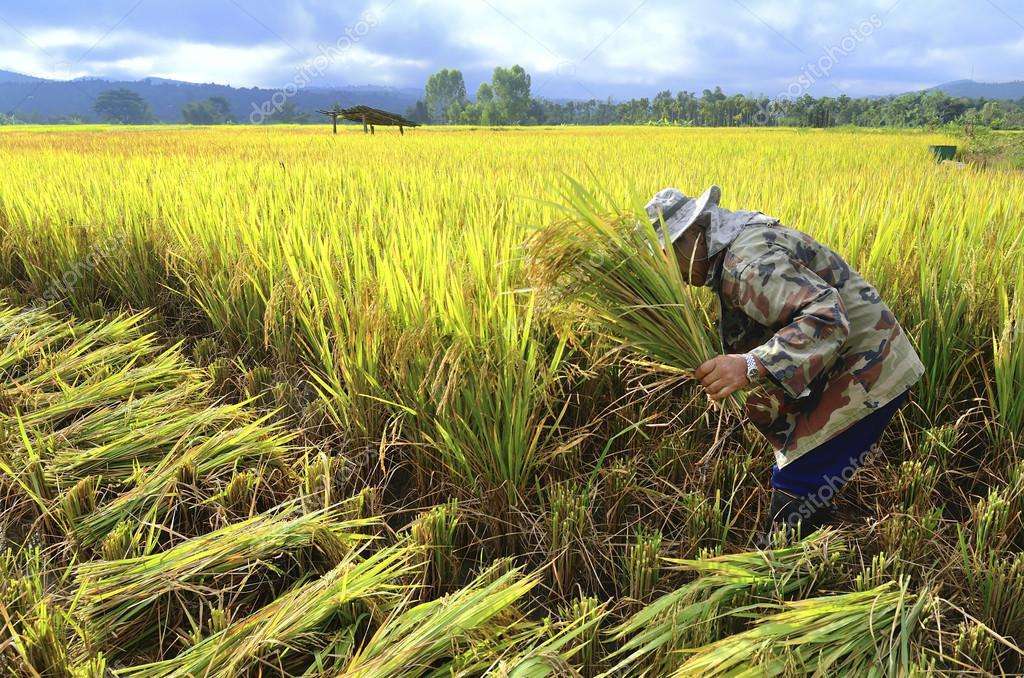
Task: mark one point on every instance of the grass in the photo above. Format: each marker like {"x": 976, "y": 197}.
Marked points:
{"x": 225, "y": 353}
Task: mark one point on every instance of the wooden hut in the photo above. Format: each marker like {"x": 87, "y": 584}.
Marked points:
{"x": 370, "y": 117}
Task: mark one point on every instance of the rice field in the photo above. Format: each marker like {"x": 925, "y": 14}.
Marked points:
{"x": 275, "y": 402}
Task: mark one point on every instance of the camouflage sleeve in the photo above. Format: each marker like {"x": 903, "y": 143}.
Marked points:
{"x": 778, "y": 291}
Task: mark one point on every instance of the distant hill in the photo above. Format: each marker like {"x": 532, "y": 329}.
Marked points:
{"x": 977, "y": 90}
{"x": 37, "y": 99}
{"x": 11, "y": 76}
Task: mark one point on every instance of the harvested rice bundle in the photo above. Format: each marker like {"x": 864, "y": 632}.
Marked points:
{"x": 724, "y": 584}
{"x": 617, "y": 271}
{"x": 249, "y": 443}
{"x": 865, "y": 633}
{"x": 415, "y": 638}
{"x": 292, "y": 621}
{"x": 565, "y": 645}
{"x": 117, "y": 594}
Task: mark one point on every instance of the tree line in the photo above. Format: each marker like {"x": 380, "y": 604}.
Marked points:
{"x": 506, "y": 100}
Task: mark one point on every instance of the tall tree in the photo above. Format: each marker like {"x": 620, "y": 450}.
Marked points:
{"x": 485, "y": 104}
{"x": 123, "y": 106}
{"x": 511, "y": 94}
{"x": 288, "y": 112}
{"x": 445, "y": 95}
{"x": 222, "y": 108}
{"x": 418, "y": 113}
{"x": 663, "y": 107}
{"x": 212, "y": 111}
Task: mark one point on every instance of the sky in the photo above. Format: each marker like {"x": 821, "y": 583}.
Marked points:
{"x": 572, "y": 48}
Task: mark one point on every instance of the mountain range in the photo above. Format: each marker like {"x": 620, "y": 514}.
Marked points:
{"x": 38, "y": 99}
{"x": 30, "y": 98}
{"x": 972, "y": 89}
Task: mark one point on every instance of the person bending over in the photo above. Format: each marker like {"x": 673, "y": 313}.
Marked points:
{"x": 825, "y": 360}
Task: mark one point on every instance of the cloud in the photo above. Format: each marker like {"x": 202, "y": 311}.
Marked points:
{"x": 572, "y": 48}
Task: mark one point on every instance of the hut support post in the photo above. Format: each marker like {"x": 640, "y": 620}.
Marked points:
{"x": 365, "y": 130}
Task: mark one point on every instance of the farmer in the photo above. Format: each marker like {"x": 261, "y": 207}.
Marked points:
{"x": 825, "y": 361}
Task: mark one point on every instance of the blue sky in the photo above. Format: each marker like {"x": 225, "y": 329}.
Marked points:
{"x": 572, "y": 48}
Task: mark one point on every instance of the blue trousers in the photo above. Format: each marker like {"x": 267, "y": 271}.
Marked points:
{"x": 832, "y": 463}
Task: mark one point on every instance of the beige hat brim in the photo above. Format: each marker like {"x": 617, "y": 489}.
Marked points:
{"x": 688, "y": 213}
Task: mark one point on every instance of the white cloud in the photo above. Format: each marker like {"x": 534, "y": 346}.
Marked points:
{"x": 635, "y": 47}
{"x": 60, "y": 38}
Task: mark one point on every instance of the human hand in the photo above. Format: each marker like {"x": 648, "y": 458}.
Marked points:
{"x": 723, "y": 375}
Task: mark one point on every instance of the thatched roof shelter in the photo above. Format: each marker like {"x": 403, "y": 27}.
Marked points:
{"x": 370, "y": 117}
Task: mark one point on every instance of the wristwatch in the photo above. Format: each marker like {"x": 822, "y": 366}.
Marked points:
{"x": 753, "y": 373}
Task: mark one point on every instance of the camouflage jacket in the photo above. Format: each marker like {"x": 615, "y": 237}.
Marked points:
{"x": 832, "y": 348}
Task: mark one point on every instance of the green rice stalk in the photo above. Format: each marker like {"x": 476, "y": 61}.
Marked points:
{"x": 39, "y": 635}
{"x": 114, "y": 442}
{"x": 485, "y": 413}
{"x": 882, "y": 568}
{"x": 87, "y": 347}
{"x": 910, "y": 536}
{"x": 619, "y": 480}
{"x": 79, "y": 501}
{"x": 208, "y": 620}
{"x": 49, "y": 406}
{"x": 975, "y": 646}
{"x": 992, "y": 527}
{"x": 568, "y": 524}
{"x": 324, "y": 480}
{"x": 435, "y": 534}
{"x": 998, "y": 583}
{"x": 205, "y": 351}
{"x": 937, "y": 445}
{"x": 93, "y": 667}
{"x": 706, "y": 525}
{"x": 916, "y": 483}
{"x": 366, "y": 503}
{"x": 643, "y": 565}
{"x": 42, "y": 641}
{"x": 122, "y": 542}
{"x": 257, "y": 384}
{"x": 580, "y": 611}
{"x": 222, "y": 373}
{"x": 1006, "y": 388}
{"x": 285, "y": 398}
{"x": 944, "y": 322}
{"x": 238, "y": 498}
{"x": 26, "y": 336}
